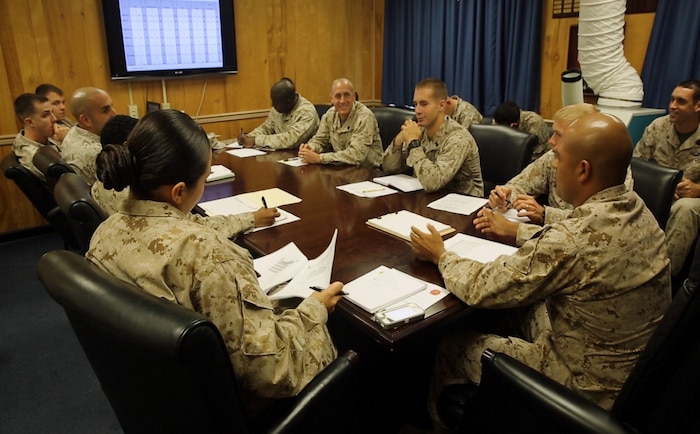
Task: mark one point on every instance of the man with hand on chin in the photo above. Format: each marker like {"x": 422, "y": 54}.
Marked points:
{"x": 441, "y": 152}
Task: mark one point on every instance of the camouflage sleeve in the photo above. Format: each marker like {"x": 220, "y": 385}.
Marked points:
{"x": 321, "y": 141}
{"x": 514, "y": 280}
{"x": 265, "y": 128}
{"x": 533, "y": 180}
{"x": 302, "y": 125}
{"x": 450, "y": 156}
{"x": 360, "y": 141}
{"x": 645, "y": 146}
{"x": 393, "y": 160}
{"x": 228, "y": 225}
{"x": 273, "y": 356}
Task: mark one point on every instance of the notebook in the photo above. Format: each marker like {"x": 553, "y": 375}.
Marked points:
{"x": 399, "y": 224}
{"x": 401, "y": 182}
{"x": 381, "y": 287}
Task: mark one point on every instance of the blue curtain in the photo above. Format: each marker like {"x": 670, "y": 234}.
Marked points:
{"x": 487, "y": 51}
{"x": 673, "y": 54}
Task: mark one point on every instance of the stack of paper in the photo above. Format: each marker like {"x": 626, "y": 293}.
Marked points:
{"x": 399, "y": 224}
{"x": 381, "y": 287}
{"x": 477, "y": 249}
{"x": 219, "y": 172}
{"x": 366, "y": 189}
{"x": 401, "y": 182}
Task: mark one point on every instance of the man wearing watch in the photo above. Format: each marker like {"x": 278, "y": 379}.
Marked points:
{"x": 441, "y": 152}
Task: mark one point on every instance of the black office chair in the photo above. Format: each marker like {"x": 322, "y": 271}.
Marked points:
{"x": 51, "y": 164}
{"x": 504, "y": 152}
{"x": 655, "y": 184}
{"x": 321, "y": 109}
{"x": 40, "y": 197}
{"x": 661, "y": 395}
{"x": 165, "y": 368}
{"x": 72, "y": 194}
{"x": 389, "y": 120}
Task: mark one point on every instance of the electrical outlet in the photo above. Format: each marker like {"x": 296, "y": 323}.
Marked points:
{"x": 134, "y": 111}
{"x": 165, "y": 106}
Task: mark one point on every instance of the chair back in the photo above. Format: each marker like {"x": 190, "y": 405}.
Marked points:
{"x": 321, "y": 109}
{"x": 164, "y": 368}
{"x": 51, "y": 164}
{"x": 504, "y": 152}
{"x": 656, "y": 185}
{"x": 389, "y": 120}
{"x": 40, "y": 197}
{"x": 663, "y": 391}
{"x": 72, "y": 194}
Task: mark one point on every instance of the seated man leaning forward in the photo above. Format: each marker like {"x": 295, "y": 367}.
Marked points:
{"x": 348, "y": 133}
{"x": 598, "y": 282}
{"x": 441, "y": 152}
{"x": 154, "y": 244}
{"x": 292, "y": 120}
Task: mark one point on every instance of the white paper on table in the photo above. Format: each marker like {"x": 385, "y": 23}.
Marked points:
{"x": 458, "y": 203}
{"x": 382, "y": 287}
{"x": 284, "y": 218}
{"x": 293, "y": 161}
{"x": 279, "y": 266}
{"x": 316, "y": 272}
{"x": 218, "y": 172}
{"x": 245, "y": 152}
{"x": 232, "y": 144}
{"x": 366, "y": 189}
{"x": 477, "y": 249}
{"x": 425, "y": 298}
{"x": 226, "y": 206}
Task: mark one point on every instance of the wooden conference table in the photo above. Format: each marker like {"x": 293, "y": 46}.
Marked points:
{"x": 359, "y": 247}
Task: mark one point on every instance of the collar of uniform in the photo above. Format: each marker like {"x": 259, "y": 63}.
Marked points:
{"x": 149, "y": 208}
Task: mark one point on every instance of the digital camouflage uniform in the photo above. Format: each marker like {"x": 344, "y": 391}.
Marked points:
{"x": 450, "y": 159}
{"x": 163, "y": 251}
{"x": 600, "y": 282}
{"x": 539, "y": 178}
{"x": 466, "y": 114}
{"x": 287, "y": 131}
{"x": 24, "y": 149}
{"x": 79, "y": 149}
{"x": 355, "y": 141}
{"x": 533, "y": 123}
{"x": 660, "y": 142}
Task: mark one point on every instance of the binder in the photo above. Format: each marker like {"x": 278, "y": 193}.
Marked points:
{"x": 399, "y": 224}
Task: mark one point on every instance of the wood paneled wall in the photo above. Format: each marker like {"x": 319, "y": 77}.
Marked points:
{"x": 311, "y": 42}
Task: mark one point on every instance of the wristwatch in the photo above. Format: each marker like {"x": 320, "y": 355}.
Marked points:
{"x": 413, "y": 144}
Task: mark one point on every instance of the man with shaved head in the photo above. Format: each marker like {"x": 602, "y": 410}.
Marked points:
{"x": 92, "y": 108}
{"x": 595, "y": 284}
{"x": 348, "y": 133}
{"x": 293, "y": 120}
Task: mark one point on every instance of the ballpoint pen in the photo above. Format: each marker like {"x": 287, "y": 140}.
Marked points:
{"x": 264, "y": 202}
{"x": 373, "y": 190}
{"x": 319, "y": 289}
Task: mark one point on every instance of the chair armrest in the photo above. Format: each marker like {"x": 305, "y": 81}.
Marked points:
{"x": 322, "y": 391}
{"x": 522, "y": 393}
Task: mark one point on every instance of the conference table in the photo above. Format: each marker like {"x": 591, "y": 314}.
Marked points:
{"x": 360, "y": 248}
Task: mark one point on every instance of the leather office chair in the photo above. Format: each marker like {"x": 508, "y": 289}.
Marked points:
{"x": 321, "y": 109}
{"x": 662, "y": 393}
{"x": 389, "y": 120}
{"x": 655, "y": 184}
{"x": 49, "y": 162}
{"x": 72, "y": 194}
{"x": 165, "y": 368}
{"x": 504, "y": 152}
{"x": 40, "y": 197}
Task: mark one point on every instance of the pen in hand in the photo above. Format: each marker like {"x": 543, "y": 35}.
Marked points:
{"x": 319, "y": 289}
{"x": 264, "y": 202}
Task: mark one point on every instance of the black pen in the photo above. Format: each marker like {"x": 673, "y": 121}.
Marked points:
{"x": 319, "y": 289}
{"x": 264, "y": 202}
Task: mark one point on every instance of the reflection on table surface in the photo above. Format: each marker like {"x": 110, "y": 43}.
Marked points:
{"x": 359, "y": 248}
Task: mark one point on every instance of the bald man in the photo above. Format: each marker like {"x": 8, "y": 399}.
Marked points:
{"x": 92, "y": 108}
{"x": 598, "y": 282}
{"x": 292, "y": 120}
{"x": 348, "y": 133}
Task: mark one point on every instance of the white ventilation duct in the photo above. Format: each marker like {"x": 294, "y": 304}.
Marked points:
{"x": 601, "y": 55}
